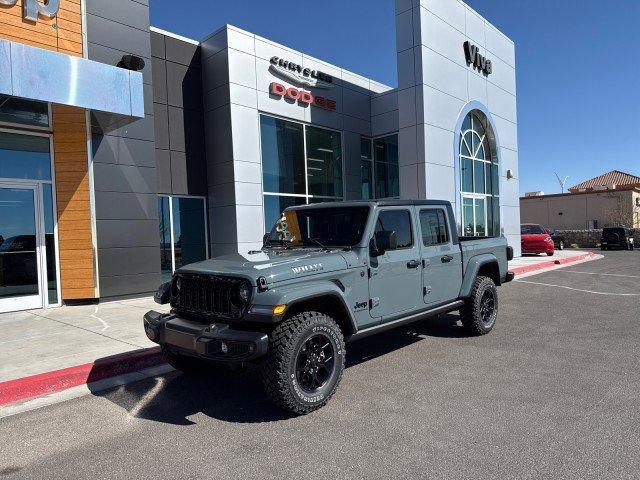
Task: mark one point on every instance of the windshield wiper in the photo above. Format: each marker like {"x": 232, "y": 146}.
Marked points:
{"x": 319, "y": 243}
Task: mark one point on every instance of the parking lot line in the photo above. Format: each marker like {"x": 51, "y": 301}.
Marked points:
{"x": 605, "y": 274}
{"x": 580, "y": 290}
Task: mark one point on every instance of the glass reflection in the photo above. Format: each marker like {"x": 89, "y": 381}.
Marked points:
{"x": 324, "y": 162}
{"x": 50, "y": 244}
{"x": 25, "y": 157}
{"x": 164, "y": 226}
{"x": 18, "y": 257}
{"x": 282, "y": 146}
{"x": 189, "y": 236}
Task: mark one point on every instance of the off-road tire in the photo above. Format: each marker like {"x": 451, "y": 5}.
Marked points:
{"x": 183, "y": 363}
{"x": 550, "y": 254}
{"x": 279, "y": 367}
{"x": 471, "y": 314}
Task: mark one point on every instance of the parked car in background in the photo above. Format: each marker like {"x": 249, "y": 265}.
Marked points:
{"x": 536, "y": 239}
{"x": 559, "y": 241}
{"x": 616, "y": 237}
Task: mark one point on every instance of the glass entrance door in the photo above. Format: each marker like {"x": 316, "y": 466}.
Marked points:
{"x": 21, "y": 247}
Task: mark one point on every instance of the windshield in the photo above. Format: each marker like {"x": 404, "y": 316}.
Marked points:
{"x": 531, "y": 229}
{"x": 320, "y": 227}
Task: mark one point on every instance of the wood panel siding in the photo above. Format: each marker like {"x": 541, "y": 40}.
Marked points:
{"x": 63, "y": 34}
{"x": 72, "y": 195}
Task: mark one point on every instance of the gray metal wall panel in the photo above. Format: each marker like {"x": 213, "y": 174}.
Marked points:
{"x": 125, "y": 177}
{"x": 134, "y": 260}
{"x": 126, "y": 12}
{"x": 180, "y": 150}
{"x": 139, "y": 233}
{"x": 115, "y": 35}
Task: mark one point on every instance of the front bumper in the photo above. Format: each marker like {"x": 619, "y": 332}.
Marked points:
{"x": 215, "y": 341}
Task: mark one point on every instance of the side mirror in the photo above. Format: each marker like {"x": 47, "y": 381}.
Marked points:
{"x": 163, "y": 294}
{"x": 382, "y": 242}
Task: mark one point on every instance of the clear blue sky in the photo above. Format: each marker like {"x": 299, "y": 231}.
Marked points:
{"x": 578, "y": 66}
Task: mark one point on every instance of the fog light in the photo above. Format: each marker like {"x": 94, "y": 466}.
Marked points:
{"x": 279, "y": 309}
{"x": 224, "y": 347}
{"x": 150, "y": 333}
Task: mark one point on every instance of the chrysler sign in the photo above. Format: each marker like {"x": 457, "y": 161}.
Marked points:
{"x": 303, "y": 76}
{"x": 32, "y": 8}
{"x": 480, "y": 63}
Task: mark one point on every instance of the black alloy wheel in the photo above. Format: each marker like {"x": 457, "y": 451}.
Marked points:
{"x": 315, "y": 363}
{"x": 487, "y": 307}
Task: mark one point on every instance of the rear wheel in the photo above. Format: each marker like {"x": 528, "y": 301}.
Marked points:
{"x": 480, "y": 310}
{"x": 304, "y": 363}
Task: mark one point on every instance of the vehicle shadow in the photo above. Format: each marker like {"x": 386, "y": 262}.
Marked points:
{"x": 237, "y": 396}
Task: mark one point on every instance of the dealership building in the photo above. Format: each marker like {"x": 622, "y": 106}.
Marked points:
{"x": 127, "y": 151}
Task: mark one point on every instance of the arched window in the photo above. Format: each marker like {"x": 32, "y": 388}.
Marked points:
{"x": 479, "y": 177}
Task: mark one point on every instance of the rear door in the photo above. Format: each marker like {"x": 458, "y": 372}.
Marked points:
{"x": 394, "y": 283}
{"x": 441, "y": 259}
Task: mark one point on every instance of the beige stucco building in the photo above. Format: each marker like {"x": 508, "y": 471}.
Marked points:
{"x": 613, "y": 199}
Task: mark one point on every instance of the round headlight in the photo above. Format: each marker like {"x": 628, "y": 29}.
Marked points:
{"x": 241, "y": 294}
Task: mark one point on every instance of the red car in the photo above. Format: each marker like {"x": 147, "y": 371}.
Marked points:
{"x": 535, "y": 239}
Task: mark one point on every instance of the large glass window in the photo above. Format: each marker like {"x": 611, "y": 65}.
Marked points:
{"x": 386, "y": 167}
{"x": 324, "y": 162}
{"x": 25, "y": 157}
{"x": 479, "y": 177}
{"x": 366, "y": 168}
{"x": 19, "y": 111}
{"x": 300, "y": 164}
{"x": 183, "y": 232}
{"x": 282, "y": 156}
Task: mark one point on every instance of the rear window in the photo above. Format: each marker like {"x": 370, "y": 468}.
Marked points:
{"x": 531, "y": 229}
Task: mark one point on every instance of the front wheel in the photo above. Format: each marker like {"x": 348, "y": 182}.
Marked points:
{"x": 480, "y": 310}
{"x": 304, "y": 363}
{"x": 550, "y": 254}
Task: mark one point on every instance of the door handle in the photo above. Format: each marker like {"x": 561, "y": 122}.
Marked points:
{"x": 446, "y": 259}
{"x": 413, "y": 264}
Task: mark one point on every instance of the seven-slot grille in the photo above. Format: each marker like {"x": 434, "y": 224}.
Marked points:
{"x": 205, "y": 295}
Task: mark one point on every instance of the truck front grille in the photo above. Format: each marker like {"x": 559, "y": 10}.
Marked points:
{"x": 205, "y": 295}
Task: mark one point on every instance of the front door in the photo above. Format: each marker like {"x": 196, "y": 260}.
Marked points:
{"x": 21, "y": 248}
{"x": 395, "y": 284}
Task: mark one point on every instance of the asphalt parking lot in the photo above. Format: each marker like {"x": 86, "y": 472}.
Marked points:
{"x": 552, "y": 392}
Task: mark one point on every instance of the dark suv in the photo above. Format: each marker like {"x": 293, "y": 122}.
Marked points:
{"x": 613, "y": 237}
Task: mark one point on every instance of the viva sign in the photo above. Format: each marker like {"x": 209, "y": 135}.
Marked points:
{"x": 480, "y": 63}
{"x": 31, "y": 9}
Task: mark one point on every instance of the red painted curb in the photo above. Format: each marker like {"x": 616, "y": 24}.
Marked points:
{"x": 58, "y": 380}
{"x": 550, "y": 263}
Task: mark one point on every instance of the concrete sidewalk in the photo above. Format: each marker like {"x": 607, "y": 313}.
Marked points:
{"x": 45, "y": 340}
{"x": 528, "y": 264}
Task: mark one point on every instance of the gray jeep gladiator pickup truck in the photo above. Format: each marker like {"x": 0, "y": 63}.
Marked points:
{"x": 327, "y": 274}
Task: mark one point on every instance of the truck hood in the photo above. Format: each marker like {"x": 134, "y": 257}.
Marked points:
{"x": 275, "y": 265}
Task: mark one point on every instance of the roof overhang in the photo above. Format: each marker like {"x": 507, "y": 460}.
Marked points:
{"x": 37, "y": 74}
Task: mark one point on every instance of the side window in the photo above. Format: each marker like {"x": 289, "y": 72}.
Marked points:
{"x": 433, "y": 224}
{"x": 400, "y": 222}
